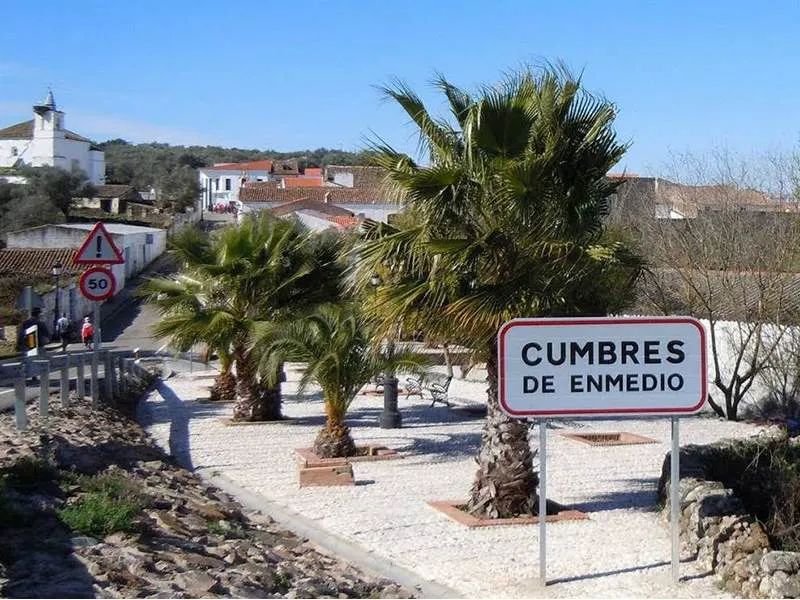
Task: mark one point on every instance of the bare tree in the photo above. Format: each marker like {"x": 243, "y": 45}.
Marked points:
{"x": 723, "y": 246}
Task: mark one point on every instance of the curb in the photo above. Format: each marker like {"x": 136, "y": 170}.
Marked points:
{"x": 348, "y": 551}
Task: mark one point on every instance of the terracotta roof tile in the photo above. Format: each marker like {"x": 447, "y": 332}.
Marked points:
{"x": 309, "y": 204}
{"x": 266, "y": 192}
{"x": 113, "y": 190}
{"x": 363, "y": 176}
{"x": 37, "y": 261}
{"x": 296, "y": 182}
{"x": 313, "y": 172}
{"x": 24, "y": 131}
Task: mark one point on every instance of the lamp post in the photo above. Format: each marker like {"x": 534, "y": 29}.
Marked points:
{"x": 390, "y": 417}
{"x": 57, "y": 266}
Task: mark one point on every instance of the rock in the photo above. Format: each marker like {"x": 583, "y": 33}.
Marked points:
{"x": 788, "y": 562}
{"x": 196, "y": 583}
{"x": 780, "y": 585}
{"x": 83, "y": 541}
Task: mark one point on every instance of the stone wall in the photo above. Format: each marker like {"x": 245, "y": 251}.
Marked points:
{"x": 718, "y": 532}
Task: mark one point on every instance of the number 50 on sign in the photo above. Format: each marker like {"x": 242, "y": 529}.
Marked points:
{"x": 97, "y": 284}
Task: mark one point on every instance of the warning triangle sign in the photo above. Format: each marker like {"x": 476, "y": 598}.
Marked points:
{"x": 98, "y": 249}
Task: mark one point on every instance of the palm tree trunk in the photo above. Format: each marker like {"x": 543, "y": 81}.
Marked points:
{"x": 224, "y": 388}
{"x": 334, "y": 440}
{"x": 248, "y": 392}
{"x": 505, "y": 483}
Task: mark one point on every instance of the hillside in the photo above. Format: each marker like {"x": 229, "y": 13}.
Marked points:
{"x": 146, "y": 165}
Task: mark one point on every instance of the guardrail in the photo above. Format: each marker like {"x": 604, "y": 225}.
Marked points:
{"x": 119, "y": 367}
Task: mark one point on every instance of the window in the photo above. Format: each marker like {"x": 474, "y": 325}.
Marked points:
{"x": 14, "y": 151}
{"x": 216, "y": 184}
{"x": 227, "y": 184}
{"x": 75, "y": 164}
{"x": 148, "y": 239}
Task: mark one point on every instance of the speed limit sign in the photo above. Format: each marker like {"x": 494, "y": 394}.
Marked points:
{"x": 97, "y": 284}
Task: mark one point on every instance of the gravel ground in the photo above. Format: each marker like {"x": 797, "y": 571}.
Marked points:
{"x": 622, "y": 551}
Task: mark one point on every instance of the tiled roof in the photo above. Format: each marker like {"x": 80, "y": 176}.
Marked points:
{"x": 20, "y": 131}
{"x": 37, "y": 261}
{"x": 265, "y": 192}
{"x": 24, "y": 131}
{"x": 253, "y": 165}
{"x": 363, "y": 176}
{"x": 310, "y": 204}
{"x": 113, "y": 191}
{"x": 296, "y": 182}
{"x": 313, "y": 172}
{"x": 343, "y": 221}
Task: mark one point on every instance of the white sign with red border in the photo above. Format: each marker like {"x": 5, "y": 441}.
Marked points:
{"x": 595, "y": 367}
{"x": 97, "y": 284}
{"x": 98, "y": 248}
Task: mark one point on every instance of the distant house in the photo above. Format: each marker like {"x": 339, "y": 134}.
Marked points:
{"x": 28, "y": 266}
{"x": 220, "y": 183}
{"x": 139, "y": 245}
{"x": 354, "y": 176}
{"x": 354, "y": 204}
{"x": 654, "y": 197}
{"x": 110, "y": 198}
{"x": 43, "y": 141}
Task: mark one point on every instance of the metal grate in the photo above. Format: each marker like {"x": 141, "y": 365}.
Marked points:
{"x": 616, "y": 438}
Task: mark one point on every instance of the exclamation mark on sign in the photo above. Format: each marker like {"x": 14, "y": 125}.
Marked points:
{"x": 99, "y": 253}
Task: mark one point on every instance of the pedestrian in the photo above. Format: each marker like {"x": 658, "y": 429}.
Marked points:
{"x": 64, "y": 331}
{"x": 87, "y": 332}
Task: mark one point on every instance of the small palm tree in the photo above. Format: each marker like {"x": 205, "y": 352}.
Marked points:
{"x": 192, "y": 309}
{"x": 336, "y": 343}
{"x": 263, "y": 269}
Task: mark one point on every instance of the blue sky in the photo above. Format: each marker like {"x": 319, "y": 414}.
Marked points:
{"x": 686, "y": 75}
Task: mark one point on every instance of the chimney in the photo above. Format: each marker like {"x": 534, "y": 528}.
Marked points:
{"x": 327, "y": 198}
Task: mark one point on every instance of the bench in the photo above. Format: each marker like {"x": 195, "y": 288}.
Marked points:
{"x": 436, "y": 384}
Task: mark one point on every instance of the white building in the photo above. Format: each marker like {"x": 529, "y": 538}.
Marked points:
{"x": 139, "y": 245}
{"x": 220, "y": 184}
{"x": 43, "y": 141}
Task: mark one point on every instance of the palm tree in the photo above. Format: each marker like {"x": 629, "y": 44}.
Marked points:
{"x": 505, "y": 221}
{"x": 263, "y": 269}
{"x": 335, "y": 342}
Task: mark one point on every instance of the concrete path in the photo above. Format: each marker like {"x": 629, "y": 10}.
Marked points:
{"x": 623, "y": 550}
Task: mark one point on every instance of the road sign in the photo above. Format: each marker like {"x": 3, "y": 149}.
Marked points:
{"x": 97, "y": 284}
{"x": 602, "y": 367}
{"x": 98, "y": 249}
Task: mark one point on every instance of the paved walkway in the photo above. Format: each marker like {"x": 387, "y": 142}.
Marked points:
{"x": 622, "y": 551}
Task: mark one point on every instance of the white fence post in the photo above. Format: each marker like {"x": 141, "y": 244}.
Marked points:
{"x": 44, "y": 387}
{"x": 20, "y": 416}
{"x": 95, "y": 383}
{"x": 80, "y": 383}
{"x": 108, "y": 383}
{"x": 65, "y": 382}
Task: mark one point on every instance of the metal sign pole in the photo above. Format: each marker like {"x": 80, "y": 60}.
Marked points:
{"x": 674, "y": 487}
{"x": 543, "y": 501}
{"x": 96, "y": 355}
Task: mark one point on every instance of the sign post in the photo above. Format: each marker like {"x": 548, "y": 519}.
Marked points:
{"x": 603, "y": 367}
{"x": 97, "y": 283}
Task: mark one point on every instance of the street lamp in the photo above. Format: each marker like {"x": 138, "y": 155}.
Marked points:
{"x": 57, "y": 266}
{"x": 390, "y": 417}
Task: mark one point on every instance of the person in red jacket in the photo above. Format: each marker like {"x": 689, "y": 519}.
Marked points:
{"x": 87, "y": 332}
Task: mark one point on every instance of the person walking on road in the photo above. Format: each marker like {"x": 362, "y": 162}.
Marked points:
{"x": 63, "y": 331}
{"x": 87, "y": 332}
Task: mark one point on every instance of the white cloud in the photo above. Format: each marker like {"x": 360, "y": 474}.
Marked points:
{"x": 103, "y": 127}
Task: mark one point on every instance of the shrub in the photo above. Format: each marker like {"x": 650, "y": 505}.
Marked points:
{"x": 765, "y": 475}
{"x": 110, "y": 503}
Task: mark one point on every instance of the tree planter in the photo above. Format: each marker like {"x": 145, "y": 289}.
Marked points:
{"x": 555, "y": 514}
{"x": 308, "y": 458}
